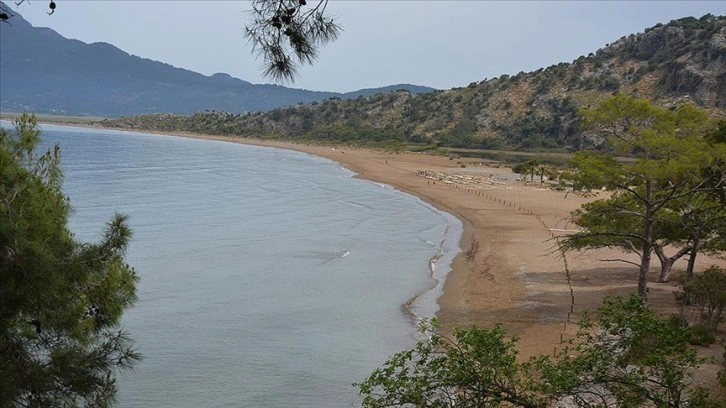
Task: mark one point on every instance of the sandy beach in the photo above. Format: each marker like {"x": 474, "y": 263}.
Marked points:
{"x": 509, "y": 270}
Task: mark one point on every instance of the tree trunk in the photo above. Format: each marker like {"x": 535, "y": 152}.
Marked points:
{"x": 692, "y": 258}
{"x": 647, "y": 247}
{"x": 644, "y": 268}
{"x": 666, "y": 263}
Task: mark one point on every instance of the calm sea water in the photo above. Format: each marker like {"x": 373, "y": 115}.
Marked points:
{"x": 269, "y": 278}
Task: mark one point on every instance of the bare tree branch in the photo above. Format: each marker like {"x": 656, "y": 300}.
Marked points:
{"x": 620, "y": 260}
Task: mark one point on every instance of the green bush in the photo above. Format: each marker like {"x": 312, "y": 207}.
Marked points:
{"x": 705, "y": 295}
{"x": 635, "y": 359}
{"x": 701, "y": 335}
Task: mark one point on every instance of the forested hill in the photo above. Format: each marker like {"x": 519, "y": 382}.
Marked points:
{"x": 682, "y": 61}
{"x": 44, "y": 72}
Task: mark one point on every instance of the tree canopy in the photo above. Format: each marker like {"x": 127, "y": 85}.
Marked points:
{"x": 666, "y": 190}
{"x": 61, "y": 300}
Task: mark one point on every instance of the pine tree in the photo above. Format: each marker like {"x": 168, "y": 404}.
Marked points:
{"x": 61, "y": 300}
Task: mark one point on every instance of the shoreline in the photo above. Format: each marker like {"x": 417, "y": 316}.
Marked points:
{"x": 425, "y": 304}
{"x": 507, "y": 270}
{"x": 466, "y": 299}
{"x": 411, "y": 306}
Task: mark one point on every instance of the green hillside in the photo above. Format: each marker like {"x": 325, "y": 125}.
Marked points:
{"x": 682, "y": 61}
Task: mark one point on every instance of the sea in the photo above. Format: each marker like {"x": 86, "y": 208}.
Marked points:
{"x": 268, "y": 277}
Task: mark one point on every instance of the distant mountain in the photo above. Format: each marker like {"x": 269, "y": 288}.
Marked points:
{"x": 44, "y": 72}
{"x": 682, "y": 61}
{"x": 414, "y": 89}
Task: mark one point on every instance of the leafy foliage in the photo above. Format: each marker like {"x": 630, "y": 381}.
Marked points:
{"x": 630, "y": 357}
{"x": 705, "y": 294}
{"x": 61, "y": 301}
{"x": 476, "y": 368}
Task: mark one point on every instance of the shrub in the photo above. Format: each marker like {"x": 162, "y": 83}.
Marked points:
{"x": 701, "y": 335}
{"x": 705, "y": 295}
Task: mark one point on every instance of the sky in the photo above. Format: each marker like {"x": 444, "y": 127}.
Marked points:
{"x": 441, "y": 44}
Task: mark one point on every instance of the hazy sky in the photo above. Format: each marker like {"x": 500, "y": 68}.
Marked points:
{"x": 442, "y": 44}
